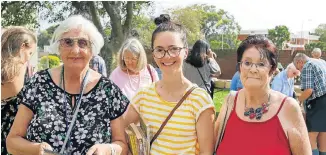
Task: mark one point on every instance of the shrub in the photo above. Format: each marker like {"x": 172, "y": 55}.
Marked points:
{"x": 53, "y": 62}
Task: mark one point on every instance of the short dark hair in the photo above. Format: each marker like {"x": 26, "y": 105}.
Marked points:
{"x": 164, "y": 24}
{"x": 195, "y": 57}
{"x": 266, "y": 47}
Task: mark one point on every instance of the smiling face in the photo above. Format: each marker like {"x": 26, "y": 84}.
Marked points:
{"x": 255, "y": 76}
{"x": 171, "y": 62}
{"x": 75, "y": 53}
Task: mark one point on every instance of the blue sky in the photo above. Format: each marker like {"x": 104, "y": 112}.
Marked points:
{"x": 259, "y": 14}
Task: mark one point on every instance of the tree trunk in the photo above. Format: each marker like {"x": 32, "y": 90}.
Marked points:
{"x": 106, "y": 52}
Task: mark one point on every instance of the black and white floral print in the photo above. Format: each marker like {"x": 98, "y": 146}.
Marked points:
{"x": 9, "y": 108}
{"x": 53, "y": 111}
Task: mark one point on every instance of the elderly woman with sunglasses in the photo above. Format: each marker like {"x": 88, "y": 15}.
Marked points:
{"x": 257, "y": 119}
{"x": 70, "y": 109}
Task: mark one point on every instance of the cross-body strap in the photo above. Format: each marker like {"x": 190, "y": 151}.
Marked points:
{"x": 227, "y": 113}
{"x": 84, "y": 83}
{"x": 203, "y": 80}
{"x": 171, "y": 113}
{"x": 150, "y": 72}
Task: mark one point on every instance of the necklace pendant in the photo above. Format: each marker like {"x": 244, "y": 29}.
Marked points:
{"x": 265, "y": 109}
{"x": 246, "y": 113}
{"x": 252, "y": 115}
{"x": 258, "y": 116}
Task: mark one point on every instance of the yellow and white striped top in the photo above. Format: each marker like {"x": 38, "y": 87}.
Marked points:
{"x": 179, "y": 135}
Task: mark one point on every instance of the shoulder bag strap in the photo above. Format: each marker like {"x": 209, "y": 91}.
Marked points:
{"x": 171, "y": 113}
{"x": 84, "y": 83}
{"x": 228, "y": 102}
{"x": 203, "y": 80}
{"x": 150, "y": 72}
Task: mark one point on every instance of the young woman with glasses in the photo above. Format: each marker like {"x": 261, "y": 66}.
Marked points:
{"x": 190, "y": 128}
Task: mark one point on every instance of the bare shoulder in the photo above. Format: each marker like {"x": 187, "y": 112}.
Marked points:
{"x": 291, "y": 109}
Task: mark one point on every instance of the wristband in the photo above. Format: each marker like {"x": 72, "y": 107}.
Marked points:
{"x": 113, "y": 151}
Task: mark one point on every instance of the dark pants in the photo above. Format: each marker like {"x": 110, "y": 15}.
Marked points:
{"x": 316, "y": 114}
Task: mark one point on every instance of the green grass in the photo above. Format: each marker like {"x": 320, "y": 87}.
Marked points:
{"x": 218, "y": 99}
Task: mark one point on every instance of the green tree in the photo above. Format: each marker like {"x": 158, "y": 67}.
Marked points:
{"x": 311, "y": 46}
{"x": 209, "y": 23}
{"x": 20, "y": 13}
{"x": 143, "y": 28}
{"x": 45, "y": 36}
{"x": 279, "y": 35}
{"x": 321, "y": 32}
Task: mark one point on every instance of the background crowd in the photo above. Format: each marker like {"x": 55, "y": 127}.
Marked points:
{"x": 76, "y": 108}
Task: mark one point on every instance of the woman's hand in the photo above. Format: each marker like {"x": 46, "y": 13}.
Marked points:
{"x": 44, "y": 146}
{"x": 101, "y": 149}
{"x": 211, "y": 54}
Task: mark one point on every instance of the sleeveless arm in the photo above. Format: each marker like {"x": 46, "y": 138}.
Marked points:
{"x": 295, "y": 128}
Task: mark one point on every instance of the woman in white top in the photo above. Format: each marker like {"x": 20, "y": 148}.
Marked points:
{"x": 133, "y": 72}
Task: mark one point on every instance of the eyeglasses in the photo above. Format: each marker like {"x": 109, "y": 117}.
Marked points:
{"x": 69, "y": 42}
{"x": 172, "y": 51}
{"x": 260, "y": 66}
{"x": 130, "y": 59}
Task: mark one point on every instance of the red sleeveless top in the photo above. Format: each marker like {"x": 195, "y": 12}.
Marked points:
{"x": 254, "y": 138}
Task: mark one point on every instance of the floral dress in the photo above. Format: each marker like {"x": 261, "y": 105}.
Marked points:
{"x": 53, "y": 113}
{"x": 9, "y": 108}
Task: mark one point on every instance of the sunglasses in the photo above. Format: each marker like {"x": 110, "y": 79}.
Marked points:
{"x": 69, "y": 42}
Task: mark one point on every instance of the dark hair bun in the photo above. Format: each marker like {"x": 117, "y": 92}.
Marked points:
{"x": 163, "y": 18}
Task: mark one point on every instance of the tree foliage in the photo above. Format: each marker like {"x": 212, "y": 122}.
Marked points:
{"x": 311, "y": 46}
{"x": 209, "y": 23}
{"x": 20, "y": 13}
{"x": 321, "y": 32}
{"x": 45, "y": 36}
{"x": 279, "y": 35}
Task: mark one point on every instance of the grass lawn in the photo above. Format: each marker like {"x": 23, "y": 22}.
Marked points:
{"x": 219, "y": 98}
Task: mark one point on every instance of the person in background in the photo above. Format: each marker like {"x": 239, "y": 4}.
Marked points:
{"x": 316, "y": 53}
{"x": 133, "y": 72}
{"x": 313, "y": 83}
{"x": 190, "y": 129}
{"x": 17, "y": 45}
{"x": 256, "y": 119}
{"x": 53, "y": 97}
{"x": 158, "y": 70}
{"x": 284, "y": 81}
{"x": 236, "y": 84}
{"x": 200, "y": 65}
{"x": 98, "y": 64}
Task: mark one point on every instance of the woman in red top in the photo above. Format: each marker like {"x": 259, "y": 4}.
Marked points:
{"x": 260, "y": 121}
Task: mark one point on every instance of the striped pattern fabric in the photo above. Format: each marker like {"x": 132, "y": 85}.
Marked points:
{"x": 179, "y": 135}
